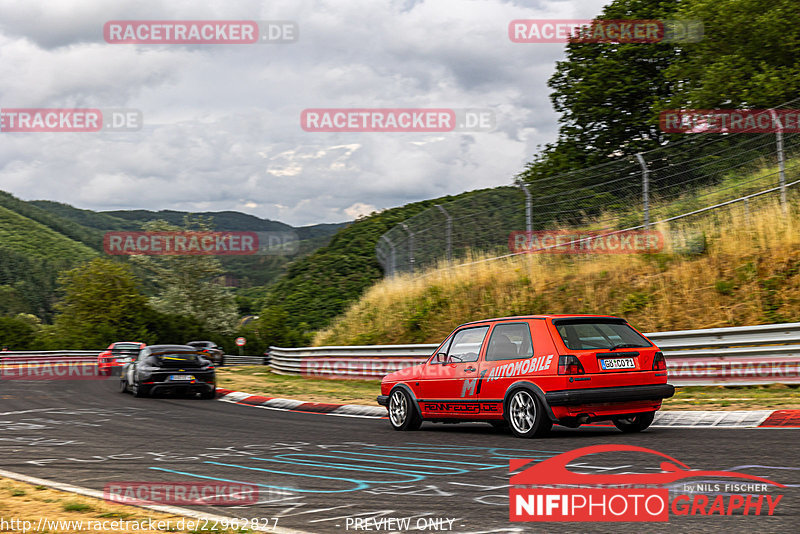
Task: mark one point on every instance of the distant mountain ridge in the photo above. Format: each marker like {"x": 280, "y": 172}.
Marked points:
{"x": 54, "y": 236}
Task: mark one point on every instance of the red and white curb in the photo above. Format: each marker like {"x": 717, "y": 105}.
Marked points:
{"x": 663, "y": 419}
{"x": 291, "y": 405}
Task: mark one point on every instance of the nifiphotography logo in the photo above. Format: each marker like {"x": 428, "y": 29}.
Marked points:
{"x": 549, "y": 491}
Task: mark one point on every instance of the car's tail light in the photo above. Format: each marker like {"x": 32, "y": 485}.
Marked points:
{"x": 569, "y": 365}
{"x": 659, "y": 363}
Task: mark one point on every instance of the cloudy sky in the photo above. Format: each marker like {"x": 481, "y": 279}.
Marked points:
{"x": 222, "y": 122}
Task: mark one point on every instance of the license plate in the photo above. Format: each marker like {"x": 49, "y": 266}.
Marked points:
{"x": 181, "y": 378}
{"x": 617, "y": 363}
{"x": 123, "y": 360}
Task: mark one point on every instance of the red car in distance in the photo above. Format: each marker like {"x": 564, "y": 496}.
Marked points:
{"x": 116, "y": 355}
{"x": 531, "y": 372}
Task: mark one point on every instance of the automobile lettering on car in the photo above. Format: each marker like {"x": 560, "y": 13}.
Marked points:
{"x": 520, "y": 367}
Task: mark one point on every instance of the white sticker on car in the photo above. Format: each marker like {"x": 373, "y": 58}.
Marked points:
{"x": 520, "y": 367}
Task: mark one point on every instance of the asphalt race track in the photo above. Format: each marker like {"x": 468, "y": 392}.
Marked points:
{"x": 318, "y": 473}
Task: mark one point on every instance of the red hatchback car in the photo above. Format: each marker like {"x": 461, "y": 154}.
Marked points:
{"x": 116, "y": 355}
{"x": 530, "y": 372}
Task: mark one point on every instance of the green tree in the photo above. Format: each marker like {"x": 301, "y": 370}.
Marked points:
{"x": 187, "y": 284}
{"x": 605, "y": 93}
{"x": 273, "y": 328}
{"x": 19, "y": 332}
{"x": 102, "y": 304}
{"x": 749, "y": 57}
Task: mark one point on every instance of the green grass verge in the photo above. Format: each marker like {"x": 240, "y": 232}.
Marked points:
{"x": 259, "y": 380}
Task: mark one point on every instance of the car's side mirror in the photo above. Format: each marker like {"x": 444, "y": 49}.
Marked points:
{"x": 440, "y": 358}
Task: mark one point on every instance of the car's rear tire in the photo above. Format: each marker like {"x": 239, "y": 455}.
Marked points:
{"x": 221, "y": 361}
{"x": 635, "y": 423}
{"x": 525, "y": 415}
{"x": 403, "y": 413}
{"x": 139, "y": 391}
{"x": 210, "y": 394}
{"x": 123, "y": 385}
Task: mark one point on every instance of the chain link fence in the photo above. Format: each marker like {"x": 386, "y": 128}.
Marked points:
{"x": 702, "y": 172}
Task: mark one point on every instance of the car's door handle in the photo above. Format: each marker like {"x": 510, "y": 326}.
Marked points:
{"x": 470, "y": 369}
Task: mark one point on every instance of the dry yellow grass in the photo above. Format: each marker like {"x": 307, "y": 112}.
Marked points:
{"x": 748, "y": 274}
{"x": 21, "y": 503}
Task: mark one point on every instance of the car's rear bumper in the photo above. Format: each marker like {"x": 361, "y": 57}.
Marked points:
{"x": 383, "y": 400}
{"x": 166, "y": 387}
{"x": 203, "y": 382}
{"x": 573, "y": 397}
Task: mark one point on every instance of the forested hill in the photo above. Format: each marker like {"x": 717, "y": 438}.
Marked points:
{"x": 41, "y": 238}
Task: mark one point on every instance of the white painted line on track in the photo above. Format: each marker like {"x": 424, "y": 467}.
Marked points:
{"x": 97, "y": 494}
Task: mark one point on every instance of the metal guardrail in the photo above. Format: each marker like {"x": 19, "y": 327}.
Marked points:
{"x": 233, "y": 359}
{"x": 85, "y": 356}
{"x": 746, "y": 355}
{"x": 49, "y": 356}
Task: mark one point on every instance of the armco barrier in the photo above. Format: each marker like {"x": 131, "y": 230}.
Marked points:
{"x": 231, "y": 359}
{"x": 7, "y": 357}
{"x": 76, "y": 356}
{"x": 747, "y": 355}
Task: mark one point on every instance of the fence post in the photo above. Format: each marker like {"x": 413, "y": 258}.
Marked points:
{"x": 781, "y": 162}
{"x": 645, "y": 190}
{"x": 528, "y": 207}
{"x": 747, "y": 210}
{"x": 410, "y": 247}
{"x": 392, "y": 264}
{"x": 448, "y": 232}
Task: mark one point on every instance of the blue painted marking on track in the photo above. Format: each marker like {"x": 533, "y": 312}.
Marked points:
{"x": 367, "y": 461}
{"x": 415, "y": 468}
{"x": 517, "y": 453}
{"x": 485, "y": 466}
{"x": 359, "y": 484}
{"x": 416, "y": 476}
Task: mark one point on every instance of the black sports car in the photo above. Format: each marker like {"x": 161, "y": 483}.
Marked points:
{"x": 169, "y": 368}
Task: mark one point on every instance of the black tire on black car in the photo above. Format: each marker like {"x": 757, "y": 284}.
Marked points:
{"x": 221, "y": 361}
{"x": 139, "y": 391}
{"x": 635, "y": 423}
{"x": 525, "y": 415}
{"x": 123, "y": 385}
{"x": 403, "y": 412}
{"x": 210, "y": 394}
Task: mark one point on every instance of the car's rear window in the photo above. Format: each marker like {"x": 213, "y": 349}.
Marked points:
{"x": 582, "y": 334}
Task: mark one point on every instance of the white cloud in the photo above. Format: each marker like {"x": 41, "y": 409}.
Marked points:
{"x": 222, "y": 123}
{"x": 359, "y": 209}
